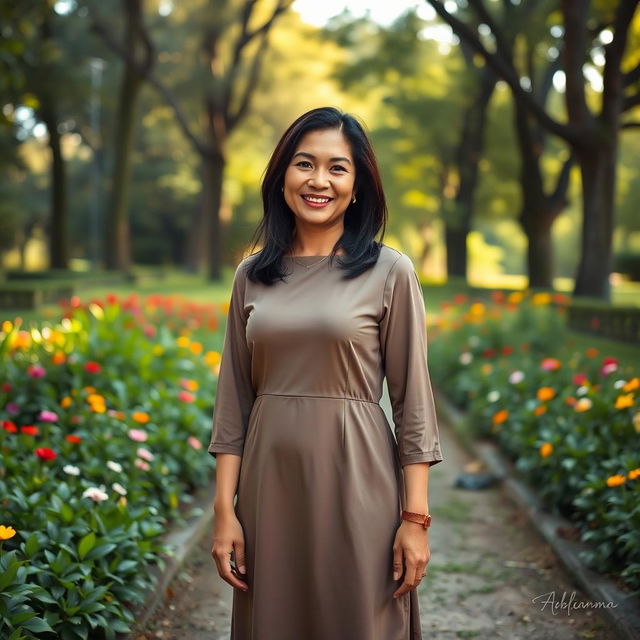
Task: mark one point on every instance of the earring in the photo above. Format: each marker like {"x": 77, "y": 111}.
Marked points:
{"x": 353, "y": 201}
{"x": 282, "y": 189}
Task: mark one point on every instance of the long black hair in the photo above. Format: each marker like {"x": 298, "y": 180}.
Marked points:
{"x": 362, "y": 219}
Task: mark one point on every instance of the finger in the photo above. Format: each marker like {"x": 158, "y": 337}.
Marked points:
{"x": 397, "y": 563}
{"x": 407, "y": 583}
{"x": 225, "y": 571}
{"x": 239, "y": 554}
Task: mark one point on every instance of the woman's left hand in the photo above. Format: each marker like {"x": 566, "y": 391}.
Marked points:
{"x": 411, "y": 550}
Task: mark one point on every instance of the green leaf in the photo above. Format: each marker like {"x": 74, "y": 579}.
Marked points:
{"x": 37, "y": 625}
{"x": 86, "y": 544}
{"x": 31, "y": 546}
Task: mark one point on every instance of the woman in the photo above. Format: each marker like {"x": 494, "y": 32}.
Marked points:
{"x": 322, "y": 536}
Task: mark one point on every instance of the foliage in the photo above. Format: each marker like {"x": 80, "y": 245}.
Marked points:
{"x": 570, "y": 423}
{"x": 103, "y": 427}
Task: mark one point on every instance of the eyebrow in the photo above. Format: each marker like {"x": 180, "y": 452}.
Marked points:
{"x": 310, "y": 155}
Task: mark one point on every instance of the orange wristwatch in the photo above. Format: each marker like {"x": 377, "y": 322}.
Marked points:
{"x": 420, "y": 518}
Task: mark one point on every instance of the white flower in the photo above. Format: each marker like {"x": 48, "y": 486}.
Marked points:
{"x": 71, "y": 470}
{"x": 581, "y": 391}
{"x": 466, "y": 357}
{"x": 95, "y": 493}
{"x": 619, "y": 383}
{"x": 493, "y": 396}
{"x": 116, "y": 486}
{"x": 114, "y": 466}
{"x": 516, "y": 376}
{"x": 473, "y": 341}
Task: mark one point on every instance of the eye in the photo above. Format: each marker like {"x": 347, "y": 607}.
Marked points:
{"x": 302, "y": 162}
{"x": 339, "y": 166}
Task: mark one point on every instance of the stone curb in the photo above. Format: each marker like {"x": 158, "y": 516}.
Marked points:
{"x": 625, "y": 616}
{"x": 182, "y": 538}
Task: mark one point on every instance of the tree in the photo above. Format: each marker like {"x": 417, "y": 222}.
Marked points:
{"x": 592, "y": 136}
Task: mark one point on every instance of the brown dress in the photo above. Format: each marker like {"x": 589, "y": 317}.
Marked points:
{"x": 321, "y": 490}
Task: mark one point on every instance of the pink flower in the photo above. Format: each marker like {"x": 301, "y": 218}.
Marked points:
{"x": 145, "y": 453}
{"x": 36, "y": 371}
{"x": 186, "y": 396}
{"x": 138, "y": 435}
{"x": 47, "y": 416}
{"x": 13, "y": 408}
{"x": 142, "y": 464}
{"x": 194, "y": 442}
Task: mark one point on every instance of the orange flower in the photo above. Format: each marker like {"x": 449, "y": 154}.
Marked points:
{"x": 546, "y": 450}
{"x": 636, "y": 421}
{"x": 539, "y": 410}
{"x": 73, "y": 438}
{"x": 622, "y": 402}
{"x": 616, "y": 480}
{"x": 58, "y": 357}
{"x": 500, "y": 417}
{"x": 141, "y": 417}
{"x": 546, "y": 393}
{"x": 66, "y": 402}
{"x": 592, "y": 352}
{"x": 196, "y": 348}
{"x": 632, "y": 385}
{"x": 633, "y": 474}
{"x": 570, "y": 400}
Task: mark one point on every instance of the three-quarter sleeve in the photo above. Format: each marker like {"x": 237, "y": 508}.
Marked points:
{"x": 403, "y": 342}
{"x": 235, "y": 394}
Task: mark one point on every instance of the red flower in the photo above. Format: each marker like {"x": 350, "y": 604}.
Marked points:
{"x": 579, "y": 379}
{"x": 489, "y": 353}
{"x": 6, "y": 386}
{"x": 73, "y": 438}
{"x": 609, "y": 360}
{"x": 46, "y": 454}
{"x": 92, "y": 367}
{"x": 7, "y": 425}
{"x": 507, "y": 350}
{"x": 30, "y": 430}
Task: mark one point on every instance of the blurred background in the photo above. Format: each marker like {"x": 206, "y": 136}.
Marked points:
{"x": 134, "y": 134}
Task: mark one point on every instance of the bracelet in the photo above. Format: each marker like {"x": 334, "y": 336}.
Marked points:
{"x": 420, "y": 518}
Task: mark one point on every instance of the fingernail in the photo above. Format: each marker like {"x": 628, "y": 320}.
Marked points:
{"x": 242, "y": 569}
{"x": 395, "y": 576}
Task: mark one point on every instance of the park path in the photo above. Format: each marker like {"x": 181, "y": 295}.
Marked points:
{"x": 487, "y": 565}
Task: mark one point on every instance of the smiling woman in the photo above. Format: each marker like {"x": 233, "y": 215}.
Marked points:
{"x": 328, "y": 517}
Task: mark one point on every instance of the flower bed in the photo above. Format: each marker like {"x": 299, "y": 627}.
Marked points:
{"x": 104, "y": 417}
{"x": 570, "y": 420}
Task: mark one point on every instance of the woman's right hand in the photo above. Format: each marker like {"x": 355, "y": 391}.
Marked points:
{"x": 228, "y": 536}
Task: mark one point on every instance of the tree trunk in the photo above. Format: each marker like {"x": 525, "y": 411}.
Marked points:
{"x": 598, "y": 171}
{"x": 470, "y": 151}
{"x": 58, "y": 243}
{"x": 117, "y": 250}
{"x": 196, "y": 257}
{"x": 215, "y": 168}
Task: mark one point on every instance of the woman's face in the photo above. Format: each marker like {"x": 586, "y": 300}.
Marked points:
{"x": 319, "y": 181}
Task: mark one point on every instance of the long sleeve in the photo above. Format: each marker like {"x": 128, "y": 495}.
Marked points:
{"x": 235, "y": 394}
{"x": 403, "y": 341}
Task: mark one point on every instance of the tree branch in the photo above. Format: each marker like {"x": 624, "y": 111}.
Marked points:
{"x": 506, "y": 71}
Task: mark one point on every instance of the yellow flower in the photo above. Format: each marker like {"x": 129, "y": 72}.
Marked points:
{"x": 95, "y": 397}
{"x": 6, "y": 532}
{"x": 98, "y": 407}
{"x": 515, "y": 297}
{"x": 546, "y": 449}
{"x": 141, "y": 416}
{"x": 66, "y": 402}
{"x": 622, "y": 402}
{"x": 636, "y": 421}
{"x": 212, "y": 358}
{"x": 541, "y": 299}
{"x": 191, "y": 385}
{"x": 632, "y": 385}
{"x": 616, "y": 480}
{"x": 7, "y": 326}
{"x": 183, "y": 341}
{"x": 477, "y": 309}
{"x": 196, "y": 347}
{"x": 158, "y": 349}
{"x": 546, "y": 393}
{"x": 633, "y": 474}
{"x": 486, "y": 368}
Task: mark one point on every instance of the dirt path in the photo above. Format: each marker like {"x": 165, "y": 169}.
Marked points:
{"x": 487, "y": 565}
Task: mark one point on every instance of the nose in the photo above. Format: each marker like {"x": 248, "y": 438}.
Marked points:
{"x": 319, "y": 179}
